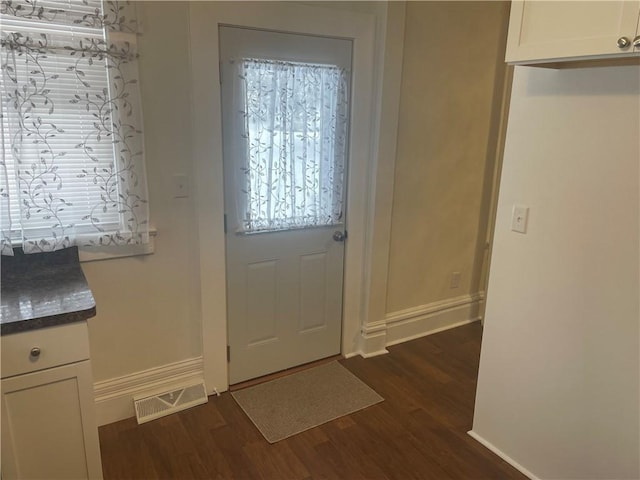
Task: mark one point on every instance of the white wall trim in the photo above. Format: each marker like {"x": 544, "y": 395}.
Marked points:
{"x": 430, "y": 308}
{"x": 411, "y": 323}
{"x": 445, "y": 325}
{"x": 374, "y": 339}
{"x": 114, "y": 397}
{"x": 388, "y": 83}
{"x": 431, "y": 318}
{"x": 502, "y": 455}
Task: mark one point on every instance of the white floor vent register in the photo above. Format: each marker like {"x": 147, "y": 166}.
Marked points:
{"x": 149, "y": 407}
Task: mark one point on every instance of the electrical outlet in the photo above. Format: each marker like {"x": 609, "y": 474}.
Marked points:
{"x": 455, "y": 280}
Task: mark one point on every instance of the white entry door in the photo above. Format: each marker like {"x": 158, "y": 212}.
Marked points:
{"x": 285, "y": 103}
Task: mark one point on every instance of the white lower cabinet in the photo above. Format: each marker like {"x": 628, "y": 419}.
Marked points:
{"x": 48, "y": 420}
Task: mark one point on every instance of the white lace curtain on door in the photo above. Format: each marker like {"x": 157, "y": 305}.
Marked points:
{"x": 294, "y": 119}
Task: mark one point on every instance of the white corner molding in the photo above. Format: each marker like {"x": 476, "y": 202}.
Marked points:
{"x": 502, "y": 455}
{"x": 373, "y": 339}
{"x": 114, "y": 397}
{"x": 409, "y": 324}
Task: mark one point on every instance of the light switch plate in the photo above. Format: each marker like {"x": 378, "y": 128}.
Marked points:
{"x": 180, "y": 186}
{"x": 519, "y": 218}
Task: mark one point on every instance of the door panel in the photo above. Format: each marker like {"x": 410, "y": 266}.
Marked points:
{"x": 284, "y": 286}
{"x": 283, "y": 312}
{"x": 313, "y": 291}
{"x": 261, "y": 302}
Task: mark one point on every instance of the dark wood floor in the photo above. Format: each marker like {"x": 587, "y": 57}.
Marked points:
{"x": 419, "y": 431}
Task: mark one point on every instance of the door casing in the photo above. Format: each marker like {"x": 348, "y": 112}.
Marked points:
{"x": 205, "y": 18}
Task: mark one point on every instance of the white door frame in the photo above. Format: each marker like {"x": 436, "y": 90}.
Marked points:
{"x": 205, "y": 17}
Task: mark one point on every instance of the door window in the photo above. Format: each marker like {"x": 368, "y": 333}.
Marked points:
{"x": 293, "y": 119}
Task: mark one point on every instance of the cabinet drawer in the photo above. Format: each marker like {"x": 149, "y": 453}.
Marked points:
{"x": 57, "y": 346}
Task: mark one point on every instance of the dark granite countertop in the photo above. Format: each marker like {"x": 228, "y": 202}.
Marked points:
{"x": 42, "y": 290}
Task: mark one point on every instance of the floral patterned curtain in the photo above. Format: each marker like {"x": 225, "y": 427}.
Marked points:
{"x": 295, "y": 118}
{"x": 72, "y": 168}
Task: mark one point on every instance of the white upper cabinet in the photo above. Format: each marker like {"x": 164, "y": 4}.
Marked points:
{"x": 558, "y": 31}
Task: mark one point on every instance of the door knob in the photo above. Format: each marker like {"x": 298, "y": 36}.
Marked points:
{"x": 338, "y": 236}
{"x": 623, "y": 42}
{"x": 636, "y": 42}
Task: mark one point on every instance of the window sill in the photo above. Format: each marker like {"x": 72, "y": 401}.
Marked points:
{"x": 93, "y": 254}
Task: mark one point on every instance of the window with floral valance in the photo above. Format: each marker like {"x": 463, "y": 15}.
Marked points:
{"x": 72, "y": 166}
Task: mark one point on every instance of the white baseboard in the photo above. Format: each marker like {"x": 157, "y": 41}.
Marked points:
{"x": 373, "y": 339}
{"x": 502, "y": 455}
{"x": 434, "y": 317}
{"x": 114, "y": 397}
{"x": 416, "y": 322}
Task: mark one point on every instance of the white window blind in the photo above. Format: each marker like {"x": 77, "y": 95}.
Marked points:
{"x": 69, "y": 125}
{"x": 71, "y": 149}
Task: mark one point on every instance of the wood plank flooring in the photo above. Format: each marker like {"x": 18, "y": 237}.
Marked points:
{"x": 419, "y": 431}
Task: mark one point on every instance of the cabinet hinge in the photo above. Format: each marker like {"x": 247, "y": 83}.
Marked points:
{"x": 225, "y": 223}
{"x": 220, "y": 72}
{"x": 228, "y": 353}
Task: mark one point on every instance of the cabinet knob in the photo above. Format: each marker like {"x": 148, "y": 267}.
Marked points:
{"x": 636, "y": 42}
{"x": 35, "y": 352}
{"x": 623, "y": 42}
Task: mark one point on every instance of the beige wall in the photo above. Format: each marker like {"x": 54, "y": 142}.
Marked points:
{"x": 453, "y": 56}
{"x": 148, "y": 306}
{"x": 149, "y": 312}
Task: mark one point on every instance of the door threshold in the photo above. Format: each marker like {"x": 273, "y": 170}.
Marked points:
{"x": 283, "y": 373}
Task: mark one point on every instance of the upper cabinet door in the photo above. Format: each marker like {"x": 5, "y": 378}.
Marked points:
{"x": 568, "y": 30}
